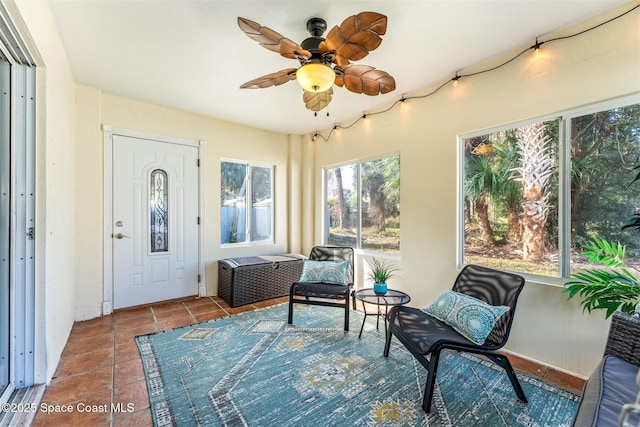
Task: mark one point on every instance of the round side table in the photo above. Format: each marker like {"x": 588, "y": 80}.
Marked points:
{"x": 391, "y": 298}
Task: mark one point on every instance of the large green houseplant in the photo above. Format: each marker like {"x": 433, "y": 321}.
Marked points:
{"x": 611, "y": 287}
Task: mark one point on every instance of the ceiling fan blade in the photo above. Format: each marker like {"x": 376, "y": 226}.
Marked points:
{"x": 366, "y": 79}
{"x": 316, "y": 101}
{"x": 356, "y": 37}
{"x": 272, "y": 40}
{"x": 273, "y": 79}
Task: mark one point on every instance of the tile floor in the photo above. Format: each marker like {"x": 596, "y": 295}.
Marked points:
{"x": 100, "y": 364}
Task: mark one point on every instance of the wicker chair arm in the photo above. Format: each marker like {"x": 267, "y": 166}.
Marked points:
{"x": 624, "y": 338}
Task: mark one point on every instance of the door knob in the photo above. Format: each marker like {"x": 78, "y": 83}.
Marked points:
{"x": 120, "y": 236}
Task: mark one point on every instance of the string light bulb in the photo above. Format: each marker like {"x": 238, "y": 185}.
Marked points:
{"x": 536, "y": 49}
{"x": 455, "y": 81}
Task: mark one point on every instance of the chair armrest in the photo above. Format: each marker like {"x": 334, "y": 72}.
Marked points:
{"x": 624, "y": 338}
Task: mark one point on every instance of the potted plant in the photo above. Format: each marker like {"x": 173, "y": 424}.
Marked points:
{"x": 612, "y": 287}
{"x": 380, "y": 271}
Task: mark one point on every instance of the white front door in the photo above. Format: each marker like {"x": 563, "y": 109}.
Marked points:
{"x": 155, "y": 221}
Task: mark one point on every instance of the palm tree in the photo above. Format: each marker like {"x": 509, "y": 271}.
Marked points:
{"x": 373, "y": 182}
{"x": 510, "y": 191}
{"x": 534, "y": 171}
{"x": 481, "y": 184}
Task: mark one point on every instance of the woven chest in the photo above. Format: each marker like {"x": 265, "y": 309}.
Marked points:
{"x": 251, "y": 279}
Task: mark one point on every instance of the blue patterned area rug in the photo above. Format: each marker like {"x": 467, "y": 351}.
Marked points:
{"x": 252, "y": 369}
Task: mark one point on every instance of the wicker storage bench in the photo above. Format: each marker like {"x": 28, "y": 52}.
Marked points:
{"x": 250, "y": 279}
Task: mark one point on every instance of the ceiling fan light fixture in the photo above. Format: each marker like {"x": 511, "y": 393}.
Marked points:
{"x": 315, "y": 77}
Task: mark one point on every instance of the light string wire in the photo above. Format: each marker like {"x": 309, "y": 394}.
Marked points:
{"x": 458, "y": 76}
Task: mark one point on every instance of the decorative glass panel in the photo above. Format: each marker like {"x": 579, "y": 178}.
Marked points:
{"x": 158, "y": 205}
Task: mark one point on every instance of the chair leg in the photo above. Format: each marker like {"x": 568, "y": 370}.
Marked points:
{"x": 387, "y": 343}
{"x": 346, "y": 314}
{"x": 503, "y": 361}
{"x": 290, "y": 318}
{"x": 431, "y": 381}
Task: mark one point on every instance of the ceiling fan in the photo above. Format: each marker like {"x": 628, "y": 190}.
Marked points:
{"x": 326, "y": 61}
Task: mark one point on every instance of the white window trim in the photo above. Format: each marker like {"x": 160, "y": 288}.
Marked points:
{"x": 249, "y": 203}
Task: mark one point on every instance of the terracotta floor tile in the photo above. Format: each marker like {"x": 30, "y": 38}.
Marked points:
{"x": 168, "y": 310}
{"x": 204, "y": 308}
{"x": 135, "y": 419}
{"x": 198, "y": 301}
{"x": 128, "y": 372}
{"x": 176, "y": 323}
{"x": 133, "y": 395}
{"x": 98, "y": 321}
{"x": 99, "y": 329}
{"x": 88, "y": 345}
{"x": 173, "y": 315}
{"x": 126, "y": 351}
{"x": 127, "y": 335}
{"x": 241, "y": 309}
{"x": 211, "y": 315}
{"x": 75, "y": 363}
{"x": 71, "y": 388}
{"x": 126, "y": 315}
{"x": 90, "y": 411}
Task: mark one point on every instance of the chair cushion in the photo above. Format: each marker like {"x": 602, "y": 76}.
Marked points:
{"x": 325, "y": 272}
{"x": 611, "y": 385}
{"x": 472, "y": 318}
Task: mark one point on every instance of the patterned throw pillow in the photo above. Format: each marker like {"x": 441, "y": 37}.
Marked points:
{"x": 472, "y": 318}
{"x": 335, "y": 273}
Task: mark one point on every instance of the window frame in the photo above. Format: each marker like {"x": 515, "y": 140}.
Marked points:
{"x": 326, "y": 220}
{"x": 564, "y": 175}
{"x": 249, "y": 204}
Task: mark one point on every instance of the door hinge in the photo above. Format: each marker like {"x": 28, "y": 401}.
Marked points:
{"x": 198, "y": 220}
{"x": 31, "y": 233}
{"x": 197, "y": 162}
{"x": 198, "y": 278}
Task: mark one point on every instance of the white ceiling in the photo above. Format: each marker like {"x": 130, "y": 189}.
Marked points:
{"x": 191, "y": 55}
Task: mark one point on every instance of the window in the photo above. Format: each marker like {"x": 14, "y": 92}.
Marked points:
{"x": 363, "y": 205}
{"x": 245, "y": 185}
{"x": 531, "y": 201}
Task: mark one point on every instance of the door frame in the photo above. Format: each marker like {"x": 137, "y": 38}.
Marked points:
{"x": 108, "y": 133}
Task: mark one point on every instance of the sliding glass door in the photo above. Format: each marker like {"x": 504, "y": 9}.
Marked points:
{"x": 4, "y": 222}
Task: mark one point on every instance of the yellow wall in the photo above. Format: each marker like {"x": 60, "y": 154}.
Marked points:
{"x": 596, "y": 66}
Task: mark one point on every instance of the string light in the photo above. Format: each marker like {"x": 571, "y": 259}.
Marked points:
{"x": 455, "y": 80}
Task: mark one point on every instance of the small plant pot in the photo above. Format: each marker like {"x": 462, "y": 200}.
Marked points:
{"x": 380, "y": 288}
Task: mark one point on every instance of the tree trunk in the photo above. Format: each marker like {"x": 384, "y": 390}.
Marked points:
{"x": 482, "y": 213}
{"x": 536, "y": 166}
{"x": 342, "y": 206}
{"x": 514, "y": 234}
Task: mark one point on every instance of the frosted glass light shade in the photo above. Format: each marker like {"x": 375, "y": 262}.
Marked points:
{"x": 315, "y": 77}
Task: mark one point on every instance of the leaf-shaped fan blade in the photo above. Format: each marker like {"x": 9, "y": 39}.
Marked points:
{"x": 316, "y": 101}
{"x": 273, "y": 79}
{"x": 367, "y": 80}
{"x": 356, "y": 37}
{"x": 272, "y": 40}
